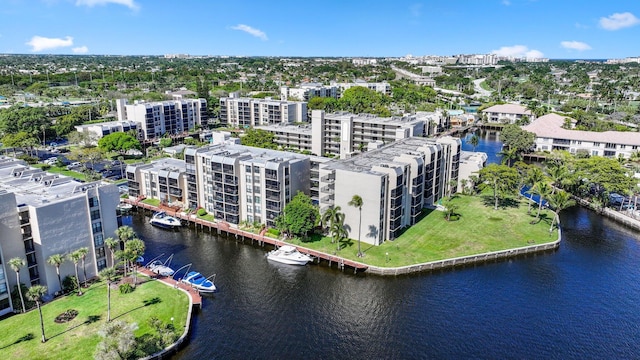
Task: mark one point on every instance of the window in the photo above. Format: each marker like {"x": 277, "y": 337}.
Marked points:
{"x": 95, "y": 214}
{"x": 596, "y": 144}
{"x": 93, "y": 201}
{"x": 102, "y": 264}
{"x": 98, "y": 240}
{"x": 100, "y": 252}
{"x": 96, "y": 227}
{"x": 256, "y": 200}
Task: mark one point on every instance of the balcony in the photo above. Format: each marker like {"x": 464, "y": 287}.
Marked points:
{"x": 328, "y": 178}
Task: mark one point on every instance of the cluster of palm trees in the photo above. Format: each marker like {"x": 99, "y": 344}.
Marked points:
{"x": 333, "y": 220}
{"x": 133, "y": 248}
{"x": 547, "y": 186}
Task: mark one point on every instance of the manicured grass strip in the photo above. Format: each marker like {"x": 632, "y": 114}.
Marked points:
{"x": 77, "y": 339}
{"x": 478, "y": 229}
{"x": 153, "y": 202}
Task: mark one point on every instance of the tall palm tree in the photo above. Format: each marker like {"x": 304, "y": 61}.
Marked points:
{"x": 84, "y": 251}
{"x": 509, "y": 155}
{"x": 125, "y": 233}
{"x": 560, "y": 201}
{"x": 542, "y": 189}
{"x": 134, "y": 249}
{"x": 56, "y": 260}
{"x": 16, "y": 264}
{"x": 35, "y": 293}
{"x": 356, "y": 201}
{"x": 534, "y": 175}
{"x": 108, "y": 275}
{"x": 75, "y": 257}
{"x": 557, "y": 173}
{"x": 474, "y": 141}
{"x": 112, "y": 244}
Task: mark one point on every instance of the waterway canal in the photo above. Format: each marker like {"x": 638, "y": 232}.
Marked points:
{"x": 578, "y": 302}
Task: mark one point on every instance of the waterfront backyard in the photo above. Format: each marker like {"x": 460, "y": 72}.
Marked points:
{"x": 78, "y": 338}
{"x": 475, "y": 228}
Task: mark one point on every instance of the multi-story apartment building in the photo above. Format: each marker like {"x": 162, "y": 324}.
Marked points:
{"x": 381, "y": 87}
{"x": 395, "y": 182}
{"x": 165, "y": 180}
{"x": 161, "y": 118}
{"x": 241, "y": 183}
{"x": 99, "y": 130}
{"x": 43, "y": 214}
{"x": 550, "y": 135}
{"x": 306, "y": 91}
{"x": 342, "y": 134}
{"x": 507, "y": 113}
{"x": 248, "y": 112}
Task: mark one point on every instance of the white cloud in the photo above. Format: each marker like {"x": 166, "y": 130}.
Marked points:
{"x": 619, "y": 21}
{"x": 575, "y": 45}
{"x": 416, "y": 10}
{"x": 80, "y": 50}
{"x": 518, "y": 51}
{"x": 131, "y": 4}
{"x": 39, "y": 43}
{"x": 252, "y": 31}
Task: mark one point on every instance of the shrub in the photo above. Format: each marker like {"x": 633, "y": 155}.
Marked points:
{"x": 69, "y": 284}
{"x": 126, "y": 288}
{"x": 273, "y": 231}
{"x": 202, "y": 212}
{"x": 46, "y": 167}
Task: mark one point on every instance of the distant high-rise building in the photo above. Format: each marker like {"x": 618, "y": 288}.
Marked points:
{"x": 248, "y": 112}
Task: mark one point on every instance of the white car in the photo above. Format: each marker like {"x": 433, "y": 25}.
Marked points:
{"x": 51, "y": 161}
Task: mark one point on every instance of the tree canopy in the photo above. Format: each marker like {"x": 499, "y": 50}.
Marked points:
{"x": 359, "y": 99}
{"x": 118, "y": 141}
{"x": 501, "y": 179}
{"x": 514, "y": 137}
{"x": 300, "y": 216}
{"x": 259, "y": 138}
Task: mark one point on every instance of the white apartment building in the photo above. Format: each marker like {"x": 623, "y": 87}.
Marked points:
{"x": 343, "y": 134}
{"x": 507, "y": 113}
{"x": 306, "y": 91}
{"x": 156, "y": 119}
{"x": 248, "y": 112}
{"x": 240, "y": 183}
{"x": 470, "y": 165}
{"x": 550, "y": 135}
{"x": 381, "y": 87}
{"x": 395, "y": 182}
{"x": 165, "y": 180}
{"x": 100, "y": 130}
{"x": 42, "y": 214}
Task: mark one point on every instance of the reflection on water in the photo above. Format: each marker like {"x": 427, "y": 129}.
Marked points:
{"x": 489, "y": 142}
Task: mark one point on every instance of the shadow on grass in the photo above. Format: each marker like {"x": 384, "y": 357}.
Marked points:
{"x": 147, "y": 302}
{"x": 90, "y": 320}
{"x": 24, "y": 338}
{"x": 503, "y": 203}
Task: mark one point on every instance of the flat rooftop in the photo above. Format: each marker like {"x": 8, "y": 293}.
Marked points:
{"x": 373, "y": 119}
{"x": 35, "y": 187}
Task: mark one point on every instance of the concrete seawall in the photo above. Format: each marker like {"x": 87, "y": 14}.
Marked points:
{"x": 465, "y": 260}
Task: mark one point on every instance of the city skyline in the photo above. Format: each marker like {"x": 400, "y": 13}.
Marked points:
{"x": 518, "y": 28}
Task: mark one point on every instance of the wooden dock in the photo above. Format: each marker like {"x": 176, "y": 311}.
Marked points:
{"x": 196, "y": 298}
{"x": 223, "y": 228}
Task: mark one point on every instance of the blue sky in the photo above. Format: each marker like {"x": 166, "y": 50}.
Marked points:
{"x": 548, "y": 28}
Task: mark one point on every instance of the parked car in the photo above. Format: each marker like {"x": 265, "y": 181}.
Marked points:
{"x": 74, "y": 165}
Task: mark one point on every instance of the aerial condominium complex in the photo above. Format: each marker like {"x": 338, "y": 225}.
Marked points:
{"x": 241, "y": 183}
{"x": 381, "y": 87}
{"x": 42, "y": 214}
{"x": 395, "y": 182}
{"x": 507, "y": 113}
{"x": 248, "y": 112}
{"x": 307, "y": 91}
{"x": 164, "y": 180}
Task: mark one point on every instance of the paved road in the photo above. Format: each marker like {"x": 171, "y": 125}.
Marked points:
{"x": 479, "y": 90}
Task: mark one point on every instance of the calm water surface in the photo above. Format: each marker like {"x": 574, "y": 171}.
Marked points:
{"x": 575, "y": 303}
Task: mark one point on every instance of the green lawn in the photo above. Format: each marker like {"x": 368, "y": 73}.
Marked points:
{"x": 478, "y": 229}
{"x": 77, "y": 339}
{"x": 64, "y": 171}
{"x": 485, "y": 86}
{"x": 153, "y": 202}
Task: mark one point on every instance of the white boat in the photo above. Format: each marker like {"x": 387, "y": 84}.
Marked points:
{"x": 288, "y": 254}
{"x": 160, "y": 268}
{"x": 123, "y": 206}
{"x": 196, "y": 280}
{"x": 161, "y": 219}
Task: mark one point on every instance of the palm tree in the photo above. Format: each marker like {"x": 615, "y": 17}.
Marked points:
{"x": 557, "y": 173}
{"x": 510, "y": 154}
{"x": 134, "y": 249}
{"x": 474, "y": 141}
{"x": 84, "y": 251}
{"x": 125, "y": 233}
{"x": 338, "y": 232}
{"x": 332, "y": 216}
{"x": 542, "y": 189}
{"x": 56, "y": 260}
{"x": 108, "y": 275}
{"x": 560, "y": 201}
{"x": 16, "y": 263}
{"x": 534, "y": 175}
{"x": 356, "y": 201}
{"x": 75, "y": 257}
{"x": 112, "y": 244}
{"x": 35, "y": 293}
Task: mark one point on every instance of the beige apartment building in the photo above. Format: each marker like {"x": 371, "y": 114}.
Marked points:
{"x": 248, "y": 112}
